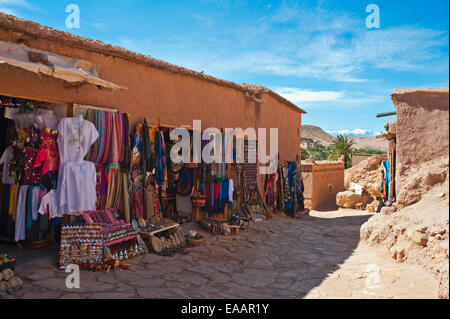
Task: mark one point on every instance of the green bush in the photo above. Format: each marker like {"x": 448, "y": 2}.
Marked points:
{"x": 369, "y": 150}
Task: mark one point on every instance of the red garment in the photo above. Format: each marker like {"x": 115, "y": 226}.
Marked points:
{"x": 48, "y": 154}
{"x": 216, "y": 191}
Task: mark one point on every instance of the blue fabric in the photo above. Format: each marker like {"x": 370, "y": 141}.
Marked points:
{"x": 212, "y": 194}
{"x": 220, "y": 206}
{"x": 388, "y": 176}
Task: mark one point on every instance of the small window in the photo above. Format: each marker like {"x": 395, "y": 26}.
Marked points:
{"x": 330, "y": 188}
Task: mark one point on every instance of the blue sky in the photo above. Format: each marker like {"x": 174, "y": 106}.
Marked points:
{"x": 318, "y": 54}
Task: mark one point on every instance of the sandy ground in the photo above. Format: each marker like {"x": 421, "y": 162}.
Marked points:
{"x": 317, "y": 256}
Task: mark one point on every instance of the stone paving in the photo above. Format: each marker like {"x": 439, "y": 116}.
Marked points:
{"x": 317, "y": 256}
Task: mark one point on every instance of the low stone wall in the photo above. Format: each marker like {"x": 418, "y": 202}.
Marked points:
{"x": 322, "y": 180}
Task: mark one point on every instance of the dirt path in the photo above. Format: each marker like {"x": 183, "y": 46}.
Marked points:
{"x": 318, "y": 256}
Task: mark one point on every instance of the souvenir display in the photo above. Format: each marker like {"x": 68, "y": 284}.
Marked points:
{"x": 80, "y": 244}
{"x": 118, "y": 188}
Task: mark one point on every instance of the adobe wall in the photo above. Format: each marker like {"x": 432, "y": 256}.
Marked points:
{"x": 154, "y": 93}
{"x": 322, "y": 180}
{"x": 358, "y": 158}
{"x": 422, "y": 131}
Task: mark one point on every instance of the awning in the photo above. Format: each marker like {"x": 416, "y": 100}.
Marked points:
{"x": 71, "y": 70}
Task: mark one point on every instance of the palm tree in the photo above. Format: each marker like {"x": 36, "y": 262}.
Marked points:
{"x": 342, "y": 145}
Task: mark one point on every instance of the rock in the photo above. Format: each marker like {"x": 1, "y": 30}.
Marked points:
{"x": 375, "y": 230}
{"x": 421, "y": 229}
{"x": 366, "y": 174}
{"x": 398, "y": 253}
{"x": 372, "y": 207}
{"x": 348, "y": 199}
{"x": 437, "y": 231}
{"x": 419, "y": 238}
{"x": 435, "y": 176}
{"x": 388, "y": 210}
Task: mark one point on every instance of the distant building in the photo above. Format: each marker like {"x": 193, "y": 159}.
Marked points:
{"x": 309, "y": 143}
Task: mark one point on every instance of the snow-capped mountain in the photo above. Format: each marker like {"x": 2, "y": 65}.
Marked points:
{"x": 354, "y": 133}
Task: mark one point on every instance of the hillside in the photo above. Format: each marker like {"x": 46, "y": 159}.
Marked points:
{"x": 372, "y": 142}
{"x": 317, "y": 134}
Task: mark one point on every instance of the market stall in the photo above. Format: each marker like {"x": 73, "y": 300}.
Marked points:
{"x": 64, "y": 180}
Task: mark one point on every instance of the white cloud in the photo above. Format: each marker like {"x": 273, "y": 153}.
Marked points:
{"x": 7, "y": 4}
{"x": 298, "y": 95}
{"x": 18, "y": 3}
{"x": 315, "y": 43}
{"x": 303, "y": 42}
{"x": 9, "y": 11}
{"x": 326, "y": 98}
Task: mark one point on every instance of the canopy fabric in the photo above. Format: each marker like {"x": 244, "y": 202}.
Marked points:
{"x": 68, "y": 69}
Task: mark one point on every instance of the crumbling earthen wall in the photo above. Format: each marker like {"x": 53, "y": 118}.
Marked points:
{"x": 422, "y": 137}
{"x": 415, "y": 228}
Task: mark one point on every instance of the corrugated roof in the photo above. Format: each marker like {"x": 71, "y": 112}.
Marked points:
{"x": 35, "y": 29}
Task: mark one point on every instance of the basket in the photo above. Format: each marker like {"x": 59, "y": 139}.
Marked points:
{"x": 11, "y": 265}
{"x": 196, "y": 242}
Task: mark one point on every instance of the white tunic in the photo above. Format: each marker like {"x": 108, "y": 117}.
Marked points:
{"x": 76, "y": 187}
{"x": 76, "y": 135}
{"x": 49, "y": 205}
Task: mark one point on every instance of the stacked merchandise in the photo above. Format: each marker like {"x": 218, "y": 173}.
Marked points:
{"x": 80, "y": 244}
{"x": 114, "y": 231}
{"x": 99, "y": 240}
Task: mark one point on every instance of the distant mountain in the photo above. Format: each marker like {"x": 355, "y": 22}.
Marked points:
{"x": 316, "y": 134}
{"x": 354, "y": 133}
{"x": 362, "y": 138}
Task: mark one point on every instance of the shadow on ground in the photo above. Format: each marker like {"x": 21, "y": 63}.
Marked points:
{"x": 280, "y": 258}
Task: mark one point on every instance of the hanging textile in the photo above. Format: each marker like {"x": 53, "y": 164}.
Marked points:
{"x": 161, "y": 164}
{"x": 147, "y": 152}
{"x": 7, "y": 133}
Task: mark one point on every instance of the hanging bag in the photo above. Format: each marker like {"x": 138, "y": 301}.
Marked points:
{"x": 198, "y": 196}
